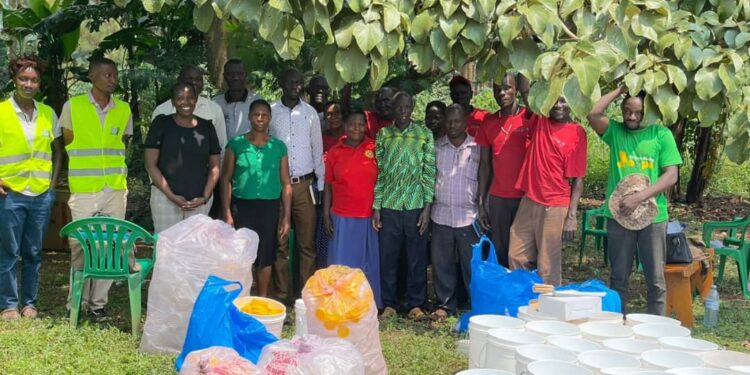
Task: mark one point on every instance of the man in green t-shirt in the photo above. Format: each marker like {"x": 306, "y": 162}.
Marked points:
{"x": 648, "y": 150}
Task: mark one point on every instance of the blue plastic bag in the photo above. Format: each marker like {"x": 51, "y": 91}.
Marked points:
{"x": 493, "y": 288}
{"x": 215, "y": 321}
{"x": 610, "y": 302}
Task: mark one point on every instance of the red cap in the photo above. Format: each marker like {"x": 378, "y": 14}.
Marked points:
{"x": 458, "y": 79}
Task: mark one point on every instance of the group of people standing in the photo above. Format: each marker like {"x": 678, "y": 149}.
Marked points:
{"x": 373, "y": 190}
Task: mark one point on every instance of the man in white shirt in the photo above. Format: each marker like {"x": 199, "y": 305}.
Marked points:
{"x": 235, "y": 102}
{"x": 296, "y": 123}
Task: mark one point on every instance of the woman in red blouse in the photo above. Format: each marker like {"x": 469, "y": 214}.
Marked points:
{"x": 351, "y": 172}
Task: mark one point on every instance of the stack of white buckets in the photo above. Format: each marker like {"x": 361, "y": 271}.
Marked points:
{"x": 605, "y": 344}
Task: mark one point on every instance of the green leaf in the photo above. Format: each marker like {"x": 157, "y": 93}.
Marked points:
{"x": 693, "y": 58}
{"x": 345, "y": 32}
{"x": 281, "y": 5}
{"x": 580, "y": 104}
{"x": 651, "y": 113}
{"x": 727, "y": 9}
{"x": 741, "y": 39}
{"x": 646, "y": 25}
{"x": 486, "y": 8}
{"x": 598, "y": 6}
{"x": 70, "y": 42}
{"x": 422, "y": 25}
{"x": 569, "y": 6}
{"x": 726, "y": 74}
{"x": 682, "y": 46}
{"x": 710, "y": 56}
{"x": 729, "y": 37}
{"x": 453, "y": 25}
{"x": 246, "y": 11}
{"x": 378, "y": 71}
{"x": 391, "y": 45}
{"x": 537, "y": 95}
{"x": 707, "y": 83}
{"x": 525, "y": 53}
{"x": 203, "y": 16}
{"x": 509, "y": 27}
{"x": 554, "y": 93}
{"x": 325, "y": 62}
{"x": 665, "y": 41}
{"x": 643, "y": 62}
{"x": 459, "y": 57}
{"x": 358, "y": 6}
{"x": 737, "y": 149}
{"x": 587, "y": 71}
{"x": 288, "y": 38}
{"x": 616, "y": 39}
{"x": 470, "y": 11}
{"x": 708, "y": 110}
{"x": 324, "y": 20}
{"x": 421, "y": 56}
{"x": 676, "y": 77}
{"x": 440, "y": 45}
{"x": 152, "y": 6}
{"x": 351, "y": 64}
{"x": 476, "y": 32}
{"x": 545, "y": 64}
{"x": 337, "y": 6}
{"x": 391, "y": 17}
{"x": 449, "y": 7}
{"x": 539, "y": 18}
{"x": 270, "y": 22}
{"x": 668, "y": 102}
{"x": 634, "y": 83}
{"x": 368, "y": 35}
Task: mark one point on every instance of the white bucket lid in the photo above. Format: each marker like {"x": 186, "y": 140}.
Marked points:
{"x": 556, "y": 368}
{"x": 603, "y": 331}
{"x": 488, "y": 321}
{"x": 606, "y": 315}
{"x": 529, "y": 314}
{"x": 574, "y": 344}
{"x": 599, "y": 359}
{"x": 699, "y": 371}
{"x": 725, "y": 358}
{"x": 687, "y": 344}
{"x": 741, "y": 369}
{"x": 635, "y": 319}
{"x": 665, "y": 359}
{"x": 551, "y": 327}
{"x": 624, "y": 370}
{"x": 654, "y": 331}
{"x": 543, "y": 352}
{"x": 299, "y": 303}
{"x": 511, "y": 337}
{"x": 484, "y": 371}
{"x": 630, "y": 346}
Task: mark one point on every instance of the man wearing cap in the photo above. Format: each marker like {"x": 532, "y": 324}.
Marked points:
{"x": 461, "y": 93}
{"x": 649, "y": 150}
{"x": 382, "y": 114}
{"x": 502, "y": 141}
{"x": 551, "y": 178}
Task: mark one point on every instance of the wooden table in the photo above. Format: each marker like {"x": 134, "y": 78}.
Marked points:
{"x": 682, "y": 281}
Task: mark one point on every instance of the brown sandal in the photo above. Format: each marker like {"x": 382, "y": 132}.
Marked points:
{"x": 439, "y": 314}
{"x": 10, "y": 314}
{"x": 29, "y": 312}
{"x": 417, "y": 314}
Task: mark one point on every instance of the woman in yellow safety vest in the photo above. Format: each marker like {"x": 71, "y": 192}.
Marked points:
{"x": 30, "y": 161}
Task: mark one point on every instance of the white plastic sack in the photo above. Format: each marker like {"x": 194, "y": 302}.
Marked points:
{"x": 311, "y": 355}
{"x": 186, "y": 254}
{"x": 217, "y": 360}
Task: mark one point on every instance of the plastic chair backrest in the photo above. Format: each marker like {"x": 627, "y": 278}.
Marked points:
{"x": 589, "y": 215}
{"x": 107, "y": 243}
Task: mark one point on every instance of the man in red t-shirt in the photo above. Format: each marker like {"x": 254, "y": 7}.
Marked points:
{"x": 461, "y": 93}
{"x": 382, "y": 114}
{"x": 552, "y": 179}
{"x": 502, "y": 140}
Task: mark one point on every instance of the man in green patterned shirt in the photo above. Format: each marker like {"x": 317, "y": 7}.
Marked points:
{"x": 403, "y": 194}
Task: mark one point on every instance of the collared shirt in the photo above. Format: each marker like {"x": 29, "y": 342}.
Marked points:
{"x": 28, "y": 124}
{"x": 204, "y": 108}
{"x": 299, "y": 129}
{"x": 352, "y": 172}
{"x": 406, "y": 168}
{"x": 236, "y": 114}
{"x": 375, "y": 123}
{"x": 66, "y": 121}
{"x": 456, "y": 185}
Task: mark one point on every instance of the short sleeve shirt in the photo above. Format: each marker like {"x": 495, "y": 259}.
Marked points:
{"x": 375, "y": 123}
{"x": 646, "y": 151}
{"x": 257, "y": 170}
{"x": 506, "y": 136}
{"x": 66, "y": 120}
{"x": 352, "y": 173}
{"x": 474, "y": 121}
{"x": 183, "y": 153}
{"x": 556, "y": 152}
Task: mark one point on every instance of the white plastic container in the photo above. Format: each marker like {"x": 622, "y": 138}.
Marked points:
{"x": 739, "y": 369}
{"x": 529, "y": 314}
{"x": 532, "y": 353}
{"x": 629, "y": 346}
{"x": 502, "y": 344}
{"x": 699, "y": 371}
{"x": 572, "y": 343}
{"x": 723, "y": 359}
{"x": 596, "y": 360}
{"x": 598, "y": 331}
{"x": 484, "y": 371}
{"x": 274, "y": 323}
{"x": 654, "y": 331}
{"x": 687, "y": 344}
{"x": 556, "y": 368}
{"x": 636, "y": 319}
{"x": 553, "y": 328}
{"x": 623, "y": 370}
{"x": 570, "y": 308}
{"x": 607, "y": 317}
{"x": 300, "y": 317}
{"x": 478, "y": 327}
{"x": 663, "y": 359}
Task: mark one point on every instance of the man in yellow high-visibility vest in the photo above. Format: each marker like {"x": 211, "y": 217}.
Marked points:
{"x": 30, "y": 159}
{"x": 96, "y": 127}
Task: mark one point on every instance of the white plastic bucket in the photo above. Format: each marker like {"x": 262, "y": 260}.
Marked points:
{"x": 654, "y": 331}
{"x": 739, "y": 369}
{"x": 572, "y": 343}
{"x": 596, "y": 360}
{"x": 300, "y": 317}
{"x": 629, "y": 346}
{"x": 687, "y": 344}
{"x": 274, "y": 323}
{"x": 699, "y": 371}
{"x": 663, "y": 359}
{"x": 484, "y": 371}
{"x": 556, "y": 368}
{"x": 502, "y": 344}
{"x": 529, "y": 314}
{"x": 599, "y": 331}
{"x": 636, "y": 319}
{"x": 623, "y": 370}
{"x": 607, "y": 317}
{"x": 532, "y": 353}
{"x": 478, "y": 327}
{"x": 553, "y": 328}
{"x": 725, "y": 358}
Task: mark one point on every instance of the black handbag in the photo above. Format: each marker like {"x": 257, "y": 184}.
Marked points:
{"x": 678, "y": 249}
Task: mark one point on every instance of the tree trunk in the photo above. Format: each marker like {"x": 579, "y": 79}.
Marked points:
{"x": 216, "y": 52}
{"x": 678, "y": 132}
{"x": 706, "y": 154}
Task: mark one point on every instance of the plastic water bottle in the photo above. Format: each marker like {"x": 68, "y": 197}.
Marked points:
{"x": 711, "y": 318}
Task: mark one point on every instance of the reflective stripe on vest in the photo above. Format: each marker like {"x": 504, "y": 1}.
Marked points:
{"x": 97, "y": 153}
{"x": 22, "y": 167}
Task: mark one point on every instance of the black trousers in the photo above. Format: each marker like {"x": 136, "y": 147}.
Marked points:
{"x": 401, "y": 234}
{"x": 449, "y": 245}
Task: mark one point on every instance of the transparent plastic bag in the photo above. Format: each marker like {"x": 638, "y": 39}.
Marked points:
{"x": 217, "y": 360}
{"x": 340, "y": 303}
{"x": 186, "y": 254}
{"x": 311, "y": 355}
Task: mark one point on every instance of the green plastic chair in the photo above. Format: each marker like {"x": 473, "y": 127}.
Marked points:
{"x": 734, "y": 246}
{"x": 105, "y": 259}
{"x": 596, "y": 218}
